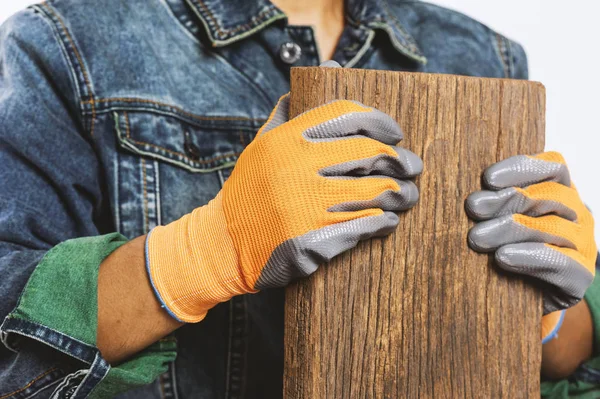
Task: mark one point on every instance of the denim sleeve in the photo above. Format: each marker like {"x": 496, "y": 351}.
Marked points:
{"x": 520, "y": 69}
{"x": 585, "y": 381}
{"x": 51, "y": 212}
{"x": 512, "y": 56}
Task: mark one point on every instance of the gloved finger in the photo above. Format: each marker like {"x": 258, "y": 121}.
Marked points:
{"x": 536, "y": 200}
{"x": 523, "y": 170}
{"x": 301, "y": 256}
{"x": 562, "y": 268}
{"x": 404, "y": 165}
{"x": 551, "y": 323}
{"x": 279, "y": 115}
{"x": 359, "y": 189}
{"x": 492, "y": 234}
{"x": 341, "y": 151}
{"x": 353, "y": 119}
{"x": 404, "y": 198}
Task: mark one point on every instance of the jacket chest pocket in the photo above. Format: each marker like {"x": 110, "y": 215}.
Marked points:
{"x": 166, "y": 166}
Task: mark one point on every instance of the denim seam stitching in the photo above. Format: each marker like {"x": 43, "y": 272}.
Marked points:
{"x": 411, "y": 43}
{"x": 412, "y": 49}
{"x": 30, "y": 383}
{"x": 117, "y": 185}
{"x": 242, "y": 125}
{"x": 80, "y": 62}
{"x": 145, "y": 194}
{"x": 192, "y": 35}
{"x": 98, "y": 365}
{"x": 177, "y": 109}
{"x": 363, "y": 50}
{"x": 501, "y": 54}
{"x": 175, "y": 153}
{"x": 203, "y": 161}
{"x": 39, "y": 339}
{"x": 79, "y": 384}
{"x": 396, "y": 43}
{"x": 224, "y": 36}
{"x": 50, "y": 385}
{"x": 127, "y": 126}
{"x": 62, "y": 385}
{"x": 57, "y": 37}
{"x": 223, "y": 32}
{"x": 185, "y": 165}
{"x": 157, "y": 191}
{"x": 221, "y": 177}
{"x": 510, "y": 58}
{"x": 99, "y": 382}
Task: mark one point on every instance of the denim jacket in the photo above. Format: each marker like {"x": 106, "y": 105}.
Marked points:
{"x": 117, "y": 116}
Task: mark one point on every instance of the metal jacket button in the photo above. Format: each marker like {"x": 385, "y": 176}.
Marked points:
{"x": 290, "y": 52}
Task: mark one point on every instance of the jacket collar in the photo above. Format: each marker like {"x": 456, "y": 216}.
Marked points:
{"x": 227, "y": 21}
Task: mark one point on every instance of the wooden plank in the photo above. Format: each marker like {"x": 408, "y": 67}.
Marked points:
{"x": 418, "y": 314}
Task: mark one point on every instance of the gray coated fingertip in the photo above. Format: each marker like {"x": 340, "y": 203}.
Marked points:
{"x": 391, "y": 220}
{"x": 375, "y": 124}
{"x": 569, "y": 278}
{"x": 522, "y": 171}
{"x": 485, "y": 204}
{"x": 410, "y": 193}
{"x": 505, "y": 255}
{"x": 413, "y": 164}
{"x": 473, "y": 239}
{"x": 487, "y": 236}
{"x": 389, "y": 201}
{"x": 471, "y": 206}
{"x": 388, "y": 124}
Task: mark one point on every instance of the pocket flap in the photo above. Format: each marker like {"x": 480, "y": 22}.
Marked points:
{"x": 198, "y": 147}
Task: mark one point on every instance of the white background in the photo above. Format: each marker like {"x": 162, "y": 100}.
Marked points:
{"x": 560, "y": 39}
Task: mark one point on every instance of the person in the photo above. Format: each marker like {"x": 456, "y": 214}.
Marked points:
{"x": 128, "y": 238}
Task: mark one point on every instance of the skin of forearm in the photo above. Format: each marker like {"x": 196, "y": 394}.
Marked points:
{"x": 573, "y": 346}
{"x": 130, "y": 317}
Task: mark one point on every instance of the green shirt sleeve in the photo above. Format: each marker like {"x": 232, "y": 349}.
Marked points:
{"x": 61, "y": 296}
{"x": 585, "y": 382}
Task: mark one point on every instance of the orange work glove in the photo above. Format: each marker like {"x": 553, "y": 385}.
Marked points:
{"x": 535, "y": 222}
{"x": 302, "y": 192}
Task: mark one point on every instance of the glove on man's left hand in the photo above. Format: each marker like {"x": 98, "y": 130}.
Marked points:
{"x": 531, "y": 216}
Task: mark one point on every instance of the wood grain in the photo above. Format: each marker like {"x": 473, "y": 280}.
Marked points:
{"x": 418, "y": 314}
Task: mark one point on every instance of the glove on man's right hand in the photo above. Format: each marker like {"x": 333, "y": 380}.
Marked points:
{"x": 302, "y": 192}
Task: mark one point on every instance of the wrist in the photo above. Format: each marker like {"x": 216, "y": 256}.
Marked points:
{"x": 551, "y": 324}
{"x": 573, "y": 345}
{"x": 192, "y": 263}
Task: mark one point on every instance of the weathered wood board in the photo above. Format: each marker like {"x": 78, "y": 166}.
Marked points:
{"x": 418, "y": 314}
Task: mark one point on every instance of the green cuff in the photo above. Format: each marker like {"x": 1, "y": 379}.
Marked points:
{"x": 139, "y": 370}
{"x": 62, "y": 296}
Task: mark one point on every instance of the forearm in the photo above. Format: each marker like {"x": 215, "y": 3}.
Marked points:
{"x": 573, "y": 345}
{"x": 130, "y": 317}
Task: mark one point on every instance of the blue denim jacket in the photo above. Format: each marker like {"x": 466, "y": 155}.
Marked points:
{"x": 117, "y": 116}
